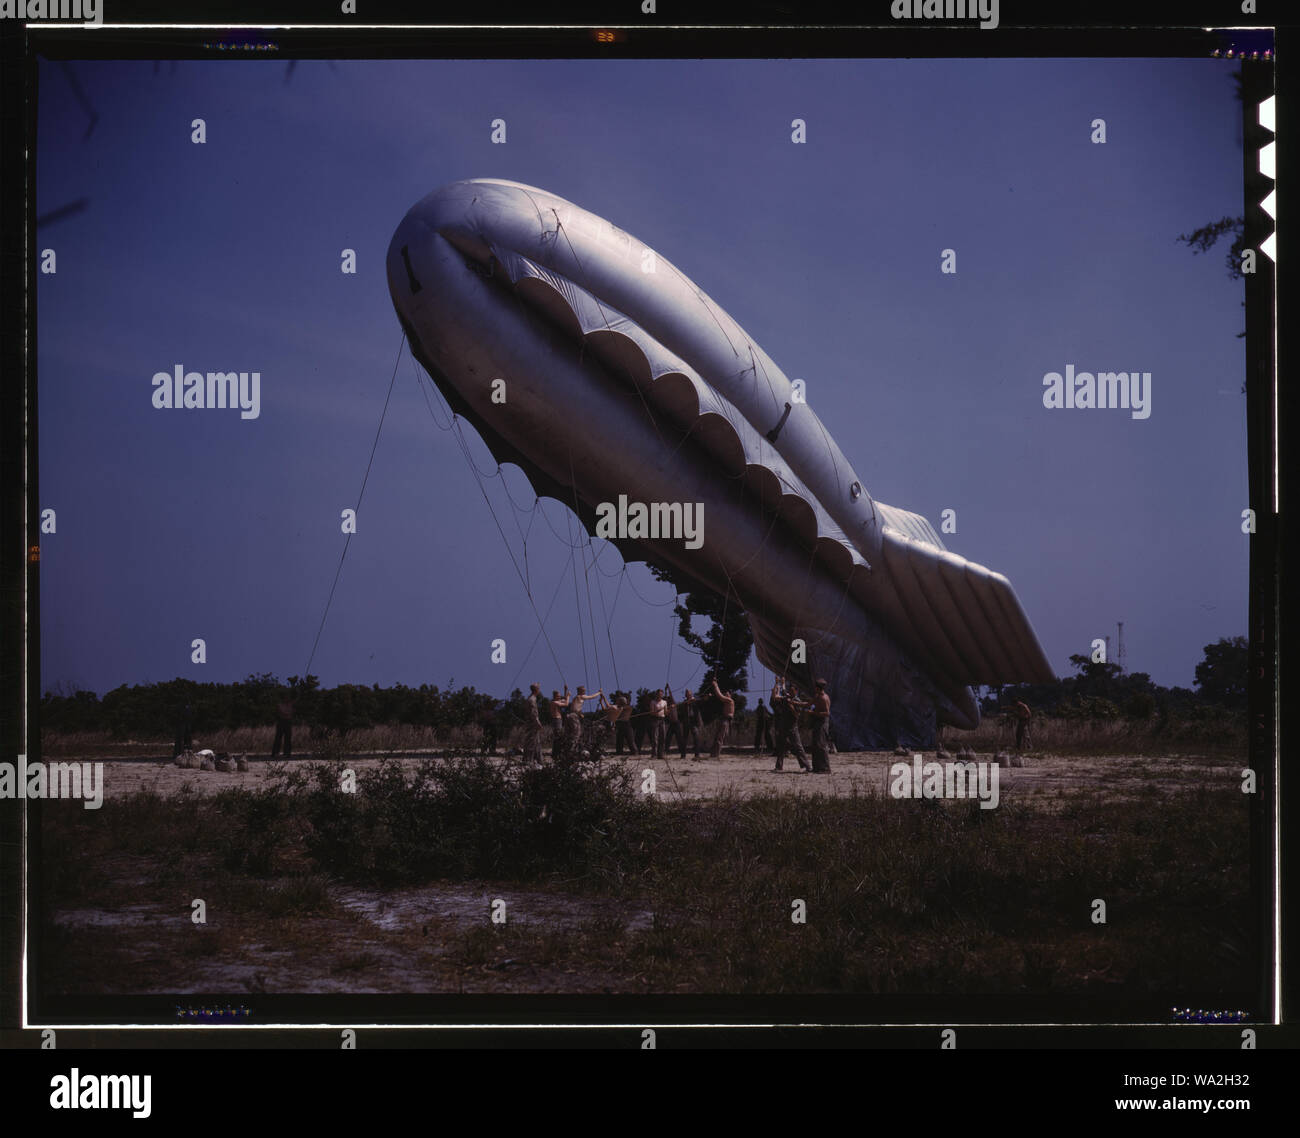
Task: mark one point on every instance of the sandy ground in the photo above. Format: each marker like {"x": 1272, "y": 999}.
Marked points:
{"x": 398, "y": 940}
{"x": 858, "y": 772}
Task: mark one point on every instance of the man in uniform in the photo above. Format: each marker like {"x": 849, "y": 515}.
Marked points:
{"x": 676, "y": 729}
{"x": 723, "y": 732}
{"x": 557, "y": 719}
{"x": 283, "y": 725}
{"x": 821, "y": 715}
{"x": 785, "y": 713}
{"x": 762, "y": 729}
{"x": 1023, "y": 715}
{"x": 573, "y": 724}
{"x": 533, "y": 727}
{"x": 658, "y": 723}
{"x": 690, "y": 708}
{"x": 607, "y": 729}
{"x": 623, "y": 727}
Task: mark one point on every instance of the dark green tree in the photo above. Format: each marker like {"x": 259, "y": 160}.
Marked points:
{"x": 1222, "y": 676}
{"x": 726, "y": 645}
{"x": 1095, "y": 679}
{"x": 1203, "y": 239}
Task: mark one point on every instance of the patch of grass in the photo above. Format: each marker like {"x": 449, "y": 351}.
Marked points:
{"x": 290, "y": 896}
{"x": 1208, "y": 732}
{"x": 899, "y": 896}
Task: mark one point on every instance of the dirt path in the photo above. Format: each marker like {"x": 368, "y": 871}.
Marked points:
{"x": 859, "y": 772}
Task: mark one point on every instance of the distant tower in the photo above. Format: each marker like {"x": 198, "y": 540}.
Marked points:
{"x": 1121, "y": 646}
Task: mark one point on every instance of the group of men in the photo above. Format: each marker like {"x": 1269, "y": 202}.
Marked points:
{"x": 786, "y": 706}
{"x": 675, "y": 722}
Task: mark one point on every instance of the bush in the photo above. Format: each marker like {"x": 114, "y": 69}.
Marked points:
{"x": 469, "y": 816}
{"x": 1140, "y": 705}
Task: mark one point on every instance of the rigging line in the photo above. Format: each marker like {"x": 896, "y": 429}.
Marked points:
{"x": 672, "y": 635}
{"x": 617, "y": 591}
{"x": 558, "y": 537}
{"x": 591, "y": 615}
{"x": 608, "y": 614}
{"x": 465, "y": 446}
{"x": 418, "y": 371}
{"x": 537, "y": 635}
{"x": 757, "y": 365}
{"x": 522, "y": 509}
{"x": 595, "y": 644}
{"x": 509, "y": 551}
{"x": 532, "y": 515}
{"x": 722, "y": 628}
{"x": 803, "y": 602}
{"x": 595, "y": 561}
{"x": 360, "y": 494}
{"x": 614, "y": 608}
{"x": 844, "y": 596}
{"x": 514, "y": 515}
{"x": 453, "y": 420}
{"x": 652, "y": 604}
{"x": 669, "y": 768}
{"x": 577, "y": 604}
{"x": 499, "y": 474}
{"x": 533, "y": 202}
{"x": 522, "y": 580}
{"x": 691, "y": 679}
{"x": 722, "y": 624}
{"x": 761, "y": 545}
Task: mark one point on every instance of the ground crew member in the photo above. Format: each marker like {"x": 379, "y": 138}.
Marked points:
{"x": 675, "y": 727}
{"x": 557, "y": 719}
{"x": 533, "y": 727}
{"x": 283, "y": 726}
{"x": 658, "y": 723}
{"x": 762, "y": 729}
{"x": 1023, "y": 715}
{"x": 623, "y": 727}
{"x": 787, "y": 727}
{"x": 690, "y": 708}
{"x": 723, "y": 732}
{"x": 821, "y": 713}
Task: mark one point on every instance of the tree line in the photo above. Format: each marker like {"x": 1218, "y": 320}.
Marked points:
{"x": 144, "y": 709}
{"x": 1100, "y": 690}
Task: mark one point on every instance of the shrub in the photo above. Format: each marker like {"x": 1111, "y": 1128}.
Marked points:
{"x": 467, "y": 816}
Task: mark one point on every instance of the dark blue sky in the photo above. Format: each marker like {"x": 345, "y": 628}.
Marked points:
{"x": 225, "y": 256}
